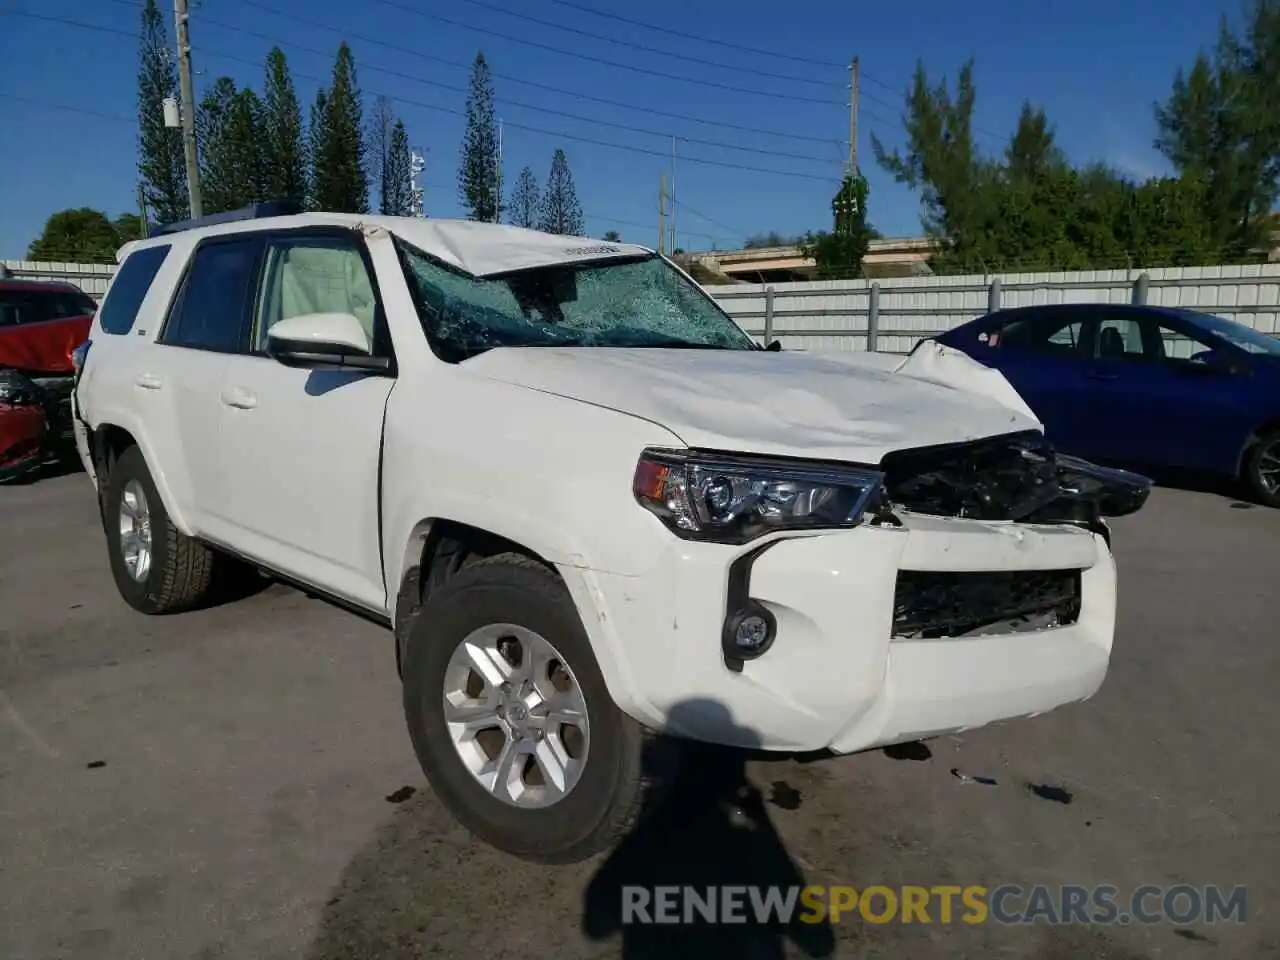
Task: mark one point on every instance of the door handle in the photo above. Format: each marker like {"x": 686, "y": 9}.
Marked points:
{"x": 1099, "y": 375}
{"x": 239, "y": 398}
{"x": 148, "y": 381}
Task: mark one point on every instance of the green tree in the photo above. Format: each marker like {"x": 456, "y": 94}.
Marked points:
{"x": 128, "y": 226}
{"x": 524, "y": 208}
{"x": 341, "y": 183}
{"x": 943, "y": 164}
{"x": 316, "y": 126}
{"x": 771, "y": 239}
{"x": 839, "y": 254}
{"x": 561, "y": 212}
{"x": 81, "y": 235}
{"x": 612, "y": 236}
{"x": 397, "y": 175}
{"x": 232, "y": 140}
{"x": 382, "y": 125}
{"x": 478, "y": 189}
{"x": 1220, "y": 125}
{"x": 1033, "y": 150}
{"x": 284, "y": 157}
{"x": 161, "y": 164}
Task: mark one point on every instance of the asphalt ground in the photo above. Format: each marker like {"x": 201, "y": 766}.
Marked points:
{"x": 238, "y": 782}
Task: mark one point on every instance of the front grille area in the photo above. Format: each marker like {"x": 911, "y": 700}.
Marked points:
{"x": 929, "y": 605}
{"x": 999, "y": 478}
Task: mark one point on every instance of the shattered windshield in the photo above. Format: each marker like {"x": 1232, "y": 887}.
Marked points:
{"x": 621, "y": 303}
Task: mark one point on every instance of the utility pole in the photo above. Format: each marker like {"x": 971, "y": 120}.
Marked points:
{"x": 417, "y": 164}
{"x": 674, "y": 202}
{"x": 662, "y": 214}
{"x": 853, "y": 117}
{"x": 187, "y": 90}
{"x": 497, "y": 197}
{"x": 142, "y": 212}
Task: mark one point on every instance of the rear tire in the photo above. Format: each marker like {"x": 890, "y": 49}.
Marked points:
{"x": 509, "y": 599}
{"x": 1262, "y": 469}
{"x": 156, "y": 568}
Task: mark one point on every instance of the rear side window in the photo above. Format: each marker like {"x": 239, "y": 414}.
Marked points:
{"x": 129, "y": 289}
{"x": 23, "y": 306}
{"x": 210, "y": 310}
{"x": 1051, "y": 332}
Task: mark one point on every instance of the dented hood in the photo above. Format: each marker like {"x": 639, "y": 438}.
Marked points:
{"x": 846, "y": 406}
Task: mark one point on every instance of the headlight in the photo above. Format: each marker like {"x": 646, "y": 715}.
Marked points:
{"x": 17, "y": 391}
{"x": 730, "y": 499}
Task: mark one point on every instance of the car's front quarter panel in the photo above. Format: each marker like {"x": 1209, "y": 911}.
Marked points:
{"x": 550, "y": 474}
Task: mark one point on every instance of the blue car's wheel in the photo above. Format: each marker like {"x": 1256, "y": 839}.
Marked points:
{"x": 1262, "y": 469}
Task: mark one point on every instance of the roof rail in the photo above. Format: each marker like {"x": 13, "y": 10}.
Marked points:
{"x": 257, "y": 211}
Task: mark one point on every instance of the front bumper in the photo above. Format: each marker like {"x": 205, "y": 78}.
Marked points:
{"x": 835, "y": 677}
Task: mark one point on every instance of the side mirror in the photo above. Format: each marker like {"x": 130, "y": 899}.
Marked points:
{"x": 323, "y": 341}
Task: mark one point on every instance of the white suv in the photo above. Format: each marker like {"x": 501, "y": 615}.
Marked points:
{"x": 589, "y": 505}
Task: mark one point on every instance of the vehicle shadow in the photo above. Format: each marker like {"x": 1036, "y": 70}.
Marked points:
{"x": 424, "y": 886}
{"x": 712, "y": 833}
{"x": 427, "y": 887}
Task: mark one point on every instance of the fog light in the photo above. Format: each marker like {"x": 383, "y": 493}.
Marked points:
{"x": 748, "y": 634}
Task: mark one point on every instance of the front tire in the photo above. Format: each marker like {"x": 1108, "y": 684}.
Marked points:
{"x": 1262, "y": 469}
{"x": 510, "y": 717}
{"x": 156, "y": 568}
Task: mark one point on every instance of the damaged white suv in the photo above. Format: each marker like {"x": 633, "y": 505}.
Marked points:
{"x": 588, "y": 504}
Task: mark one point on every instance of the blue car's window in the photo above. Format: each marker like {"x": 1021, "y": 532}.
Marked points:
{"x": 1237, "y": 334}
{"x": 1052, "y": 332}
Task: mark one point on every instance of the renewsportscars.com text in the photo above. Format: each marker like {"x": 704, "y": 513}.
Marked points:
{"x": 1004, "y": 904}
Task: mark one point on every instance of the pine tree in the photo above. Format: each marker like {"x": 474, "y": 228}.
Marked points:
{"x": 231, "y": 131}
{"x": 218, "y": 187}
{"x": 524, "y": 200}
{"x": 341, "y": 182}
{"x": 284, "y": 160}
{"x": 397, "y": 175}
{"x": 160, "y": 159}
{"x": 561, "y": 212}
{"x": 478, "y": 188}
{"x": 381, "y": 127}
{"x": 318, "y": 123}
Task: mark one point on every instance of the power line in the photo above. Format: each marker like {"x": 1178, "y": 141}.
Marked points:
{"x": 722, "y": 164}
{"x": 608, "y": 63}
{"x": 690, "y": 36}
{"x": 522, "y": 81}
{"x": 411, "y": 78}
{"x": 787, "y": 77}
{"x": 703, "y": 216}
{"x": 120, "y": 118}
{"x": 626, "y": 148}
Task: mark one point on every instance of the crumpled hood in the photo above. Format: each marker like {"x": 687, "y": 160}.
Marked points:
{"x": 835, "y": 406}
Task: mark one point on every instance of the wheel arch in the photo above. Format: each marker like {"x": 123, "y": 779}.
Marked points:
{"x": 109, "y": 440}
{"x": 436, "y": 549}
{"x": 1269, "y": 426}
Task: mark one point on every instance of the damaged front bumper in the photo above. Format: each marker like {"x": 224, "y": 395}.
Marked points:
{"x": 998, "y": 602}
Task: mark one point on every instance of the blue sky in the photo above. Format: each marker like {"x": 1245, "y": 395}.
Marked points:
{"x": 1095, "y": 65}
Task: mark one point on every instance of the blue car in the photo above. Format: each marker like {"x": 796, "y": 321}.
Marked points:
{"x": 1158, "y": 386}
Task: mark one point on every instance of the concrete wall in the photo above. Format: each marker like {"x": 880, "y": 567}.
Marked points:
{"x": 891, "y": 315}
{"x": 92, "y": 278}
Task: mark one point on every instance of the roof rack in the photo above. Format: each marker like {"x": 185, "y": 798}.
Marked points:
{"x": 257, "y": 211}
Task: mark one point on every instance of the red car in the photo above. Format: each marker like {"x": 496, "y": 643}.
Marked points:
{"x": 41, "y": 323}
